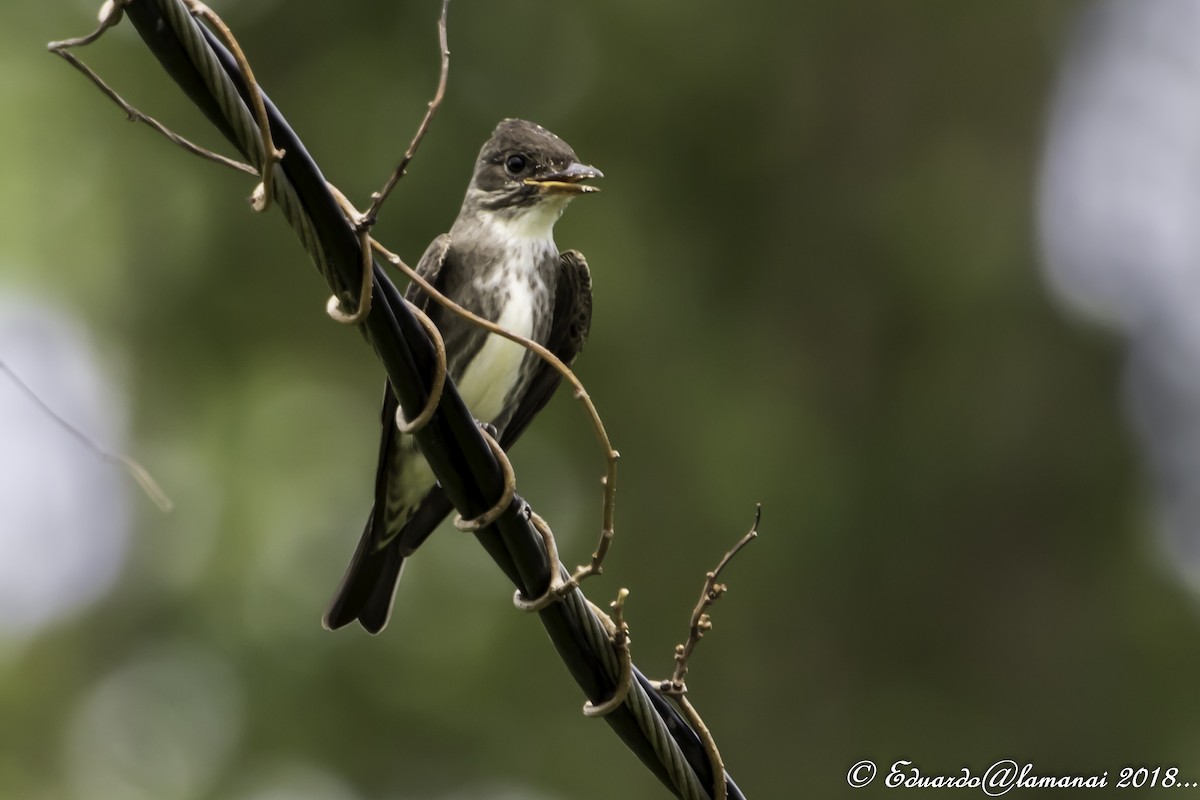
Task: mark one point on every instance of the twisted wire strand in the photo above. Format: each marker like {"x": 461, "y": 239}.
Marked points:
{"x": 241, "y": 120}
{"x": 648, "y": 716}
{"x": 685, "y": 779}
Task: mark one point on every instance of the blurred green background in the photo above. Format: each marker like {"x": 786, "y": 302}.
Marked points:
{"x": 816, "y": 288}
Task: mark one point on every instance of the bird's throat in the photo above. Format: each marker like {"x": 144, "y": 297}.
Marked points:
{"x": 534, "y": 221}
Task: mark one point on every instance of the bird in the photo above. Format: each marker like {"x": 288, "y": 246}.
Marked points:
{"x": 498, "y": 260}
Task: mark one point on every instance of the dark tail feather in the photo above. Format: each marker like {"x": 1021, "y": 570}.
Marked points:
{"x": 367, "y": 590}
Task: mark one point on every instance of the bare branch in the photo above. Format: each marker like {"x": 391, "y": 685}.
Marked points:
{"x": 710, "y": 744}
{"x": 552, "y": 593}
{"x": 261, "y": 198}
{"x": 334, "y": 306}
{"x": 440, "y": 373}
{"x": 367, "y": 221}
{"x": 363, "y": 223}
{"x": 61, "y": 49}
{"x": 135, "y": 470}
{"x": 506, "y": 497}
{"x": 111, "y": 14}
{"x": 619, "y": 635}
{"x": 700, "y": 622}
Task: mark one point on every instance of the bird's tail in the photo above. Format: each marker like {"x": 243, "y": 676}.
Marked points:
{"x": 367, "y": 589}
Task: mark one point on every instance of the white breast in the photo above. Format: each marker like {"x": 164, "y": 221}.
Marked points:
{"x": 526, "y": 239}
{"x": 490, "y": 375}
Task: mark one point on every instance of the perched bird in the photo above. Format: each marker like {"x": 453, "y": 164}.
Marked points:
{"x": 499, "y": 261}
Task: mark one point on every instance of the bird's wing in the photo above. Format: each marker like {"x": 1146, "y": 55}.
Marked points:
{"x": 569, "y": 329}
{"x": 389, "y": 520}
{"x": 430, "y": 269}
{"x": 568, "y": 333}
{"x": 367, "y": 588}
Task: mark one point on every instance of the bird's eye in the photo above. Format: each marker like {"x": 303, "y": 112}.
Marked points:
{"x": 514, "y": 164}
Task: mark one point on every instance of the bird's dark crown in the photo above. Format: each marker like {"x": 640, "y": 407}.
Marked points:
{"x": 517, "y": 157}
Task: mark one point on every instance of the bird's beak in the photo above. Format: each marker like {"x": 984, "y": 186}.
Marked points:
{"x": 568, "y": 180}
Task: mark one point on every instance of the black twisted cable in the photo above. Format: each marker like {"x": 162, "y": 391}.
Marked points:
{"x": 648, "y": 724}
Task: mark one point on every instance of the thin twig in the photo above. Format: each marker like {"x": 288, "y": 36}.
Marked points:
{"x": 366, "y": 267}
{"x": 366, "y": 284}
{"x": 261, "y": 198}
{"x": 619, "y": 635}
{"x": 552, "y": 593}
{"x": 60, "y": 49}
{"x": 506, "y": 496}
{"x": 609, "y": 481}
{"x": 367, "y": 220}
{"x": 136, "y": 470}
{"x": 364, "y": 222}
{"x": 700, "y": 622}
{"x": 334, "y": 310}
{"x": 111, "y": 13}
{"x": 440, "y": 372}
{"x": 674, "y": 687}
{"x": 710, "y": 744}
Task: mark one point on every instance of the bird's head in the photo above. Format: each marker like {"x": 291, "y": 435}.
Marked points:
{"x": 524, "y": 168}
